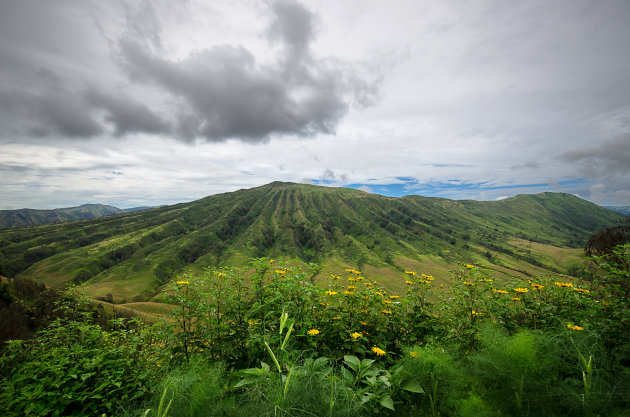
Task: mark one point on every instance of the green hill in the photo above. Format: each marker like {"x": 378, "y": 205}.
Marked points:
{"x": 33, "y": 217}
{"x": 130, "y": 256}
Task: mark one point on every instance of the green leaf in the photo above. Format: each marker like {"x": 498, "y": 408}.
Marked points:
{"x": 352, "y": 361}
{"x": 319, "y": 362}
{"x": 347, "y": 376}
{"x": 387, "y": 402}
{"x": 367, "y": 362}
{"x": 368, "y": 373}
{"x": 250, "y": 371}
{"x": 366, "y": 397}
{"x": 412, "y": 385}
{"x": 247, "y": 381}
{"x": 86, "y": 376}
{"x": 385, "y": 380}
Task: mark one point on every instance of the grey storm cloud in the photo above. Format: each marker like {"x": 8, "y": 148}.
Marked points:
{"x": 215, "y": 93}
{"x": 224, "y": 92}
{"x": 609, "y": 159}
{"x": 59, "y": 113}
{"x": 125, "y": 114}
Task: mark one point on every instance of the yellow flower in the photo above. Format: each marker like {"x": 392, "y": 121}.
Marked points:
{"x": 364, "y": 323}
{"x": 337, "y": 318}
{"x": 521, "y": 290}
{"x": 500, "y": 291}
{"x": 386, "y": 312}
{"x": 469, "y": 266}
{"x": 356, "y": 335}
{"x": 183, "y": 282}
{"x": 408, "y": 282}
{"x": 253, "y": 322}
{"x": 414, "y": 354}
{"x": 581, "y": 290}
{"x": 538, "y": 286}
{"x": 271, "y": 261}
{"x": 476, "y": 313}
{"x": 564, "y": 284}
{"x": 352, "y": 287}
{"x": 410, "y": 273}
{"x": 577, "y": 328}
{"x": 378, "y": 351}
{"x": 313, "y": 332}
{"x": 348, "y": 292}
{"x": 393, "y": 297}
{"x": 331, "y": 292}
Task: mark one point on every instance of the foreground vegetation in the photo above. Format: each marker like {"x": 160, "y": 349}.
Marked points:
{"x": 272, "y": 343}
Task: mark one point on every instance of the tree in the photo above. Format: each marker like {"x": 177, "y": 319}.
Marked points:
{"x": 601, "y": 246}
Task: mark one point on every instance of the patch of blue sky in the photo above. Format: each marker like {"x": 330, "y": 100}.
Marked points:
{"x": 459, "y": 189}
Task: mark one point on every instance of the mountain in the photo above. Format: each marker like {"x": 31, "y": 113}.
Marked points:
{"x": 132, "y": 209}
{"x": 33, "y": 217}
{"x": 131, "y": 255}
{"x": 625, "y": 210}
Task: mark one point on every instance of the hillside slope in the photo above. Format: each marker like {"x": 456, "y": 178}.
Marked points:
{"x": 132, "y": 255}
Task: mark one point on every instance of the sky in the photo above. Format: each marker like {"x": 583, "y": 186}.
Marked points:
{"x": 143, "y": 103}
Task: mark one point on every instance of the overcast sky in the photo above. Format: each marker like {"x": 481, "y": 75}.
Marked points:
{"x": 135, "y": 103}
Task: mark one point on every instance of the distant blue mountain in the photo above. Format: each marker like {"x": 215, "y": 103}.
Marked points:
{"x": 625, "y": 210}
{"x": 33, "y": 217}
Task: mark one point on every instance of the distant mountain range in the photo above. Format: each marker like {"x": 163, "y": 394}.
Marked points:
{"x": 625, "y": 210}
{"x": 130, "y": 256}
{"x": 33, "y": 217}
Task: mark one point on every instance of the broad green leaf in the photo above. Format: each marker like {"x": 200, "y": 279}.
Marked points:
{"x": 412, "y": 385}
{"x": 387, "y": 402}
{"x": 347, "y": 376}
{"x": 247, "y": 381}
{"x": 352, "y": 361}
{"x": 319, "y": 362}
{"x": 367, "y": 362}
